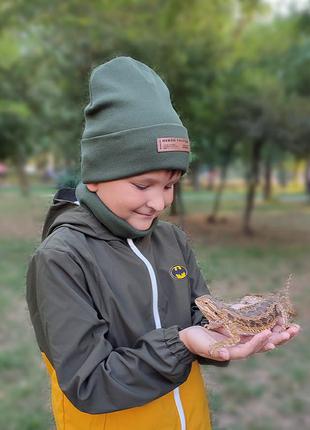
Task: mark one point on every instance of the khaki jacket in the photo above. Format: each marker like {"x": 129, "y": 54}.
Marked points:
{"x": 106, "y": 313}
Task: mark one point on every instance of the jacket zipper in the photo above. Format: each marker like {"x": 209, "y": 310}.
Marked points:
{"x": 176, "y": 391}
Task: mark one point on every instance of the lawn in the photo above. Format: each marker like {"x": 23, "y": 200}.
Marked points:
{"x": 269, "y": 391}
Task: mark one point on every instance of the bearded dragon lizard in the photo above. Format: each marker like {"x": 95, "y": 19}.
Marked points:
{"x": 250, "y": 315}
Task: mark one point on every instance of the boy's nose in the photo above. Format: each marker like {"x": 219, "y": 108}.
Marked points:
{"x": 157, "y": 203}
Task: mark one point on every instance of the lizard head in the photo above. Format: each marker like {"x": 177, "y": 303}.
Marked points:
{"x": 210, "y": 307}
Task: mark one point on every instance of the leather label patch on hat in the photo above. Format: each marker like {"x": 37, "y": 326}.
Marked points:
{"x": 168, "y": 144}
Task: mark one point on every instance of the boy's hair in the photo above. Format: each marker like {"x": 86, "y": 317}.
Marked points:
{"x": 174, "y": 172}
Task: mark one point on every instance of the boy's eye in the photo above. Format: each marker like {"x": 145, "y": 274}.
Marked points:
{"x": 140, "y": 187}
{"x": 144, "y": 187}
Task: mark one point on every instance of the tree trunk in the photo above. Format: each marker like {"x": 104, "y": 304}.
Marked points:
{"x": 210, "y": 179}
{"x": 212, "y": 218}
{"x": 195, "y": 176}
{"x": 177, "y": 207}
{"x": 22, "y": 177}
{"x": 282, "y": 175}
{"x": 267, "y": 190}
{"x": 251, "y": 185}
{"x": 223, "y": 176}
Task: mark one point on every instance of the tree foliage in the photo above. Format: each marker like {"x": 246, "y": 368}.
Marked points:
{"x": 236, "y": 75}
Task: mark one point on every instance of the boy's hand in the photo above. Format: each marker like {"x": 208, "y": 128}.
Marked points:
{"x": 280, "y": 335}
{"x": 199, "y": 340}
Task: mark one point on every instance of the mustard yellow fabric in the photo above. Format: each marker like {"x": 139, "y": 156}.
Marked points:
{"x": 160, "y": 414}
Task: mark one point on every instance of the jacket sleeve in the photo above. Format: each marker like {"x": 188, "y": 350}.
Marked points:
{"x": 198, "y": 288}
{"x": 96, "y": 377}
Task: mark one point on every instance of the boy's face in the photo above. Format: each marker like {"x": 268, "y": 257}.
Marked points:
{"x": 138, "y": 199}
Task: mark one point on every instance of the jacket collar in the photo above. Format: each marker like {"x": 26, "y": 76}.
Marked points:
{"x": 67, "y": 212}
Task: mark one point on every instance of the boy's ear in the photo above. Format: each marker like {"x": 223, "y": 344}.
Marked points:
{"x": 93, "y": 187}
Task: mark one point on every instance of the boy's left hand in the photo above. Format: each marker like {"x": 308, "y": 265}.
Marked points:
{"x": 280, "y": 336}
{"x": 246, "y": 348}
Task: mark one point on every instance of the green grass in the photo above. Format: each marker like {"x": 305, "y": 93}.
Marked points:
{"x": 233, "y": 201}
{"x": 23, "y": 380}
{"x": 264, "y": 267}
{"x": 271, "y": 388}
{"x": 266, "y": 392}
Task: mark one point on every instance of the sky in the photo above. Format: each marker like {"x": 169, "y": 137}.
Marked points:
{"x": 283, "y": 6}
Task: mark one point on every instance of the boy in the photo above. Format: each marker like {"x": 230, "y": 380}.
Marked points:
{"x": 111, "y": 288}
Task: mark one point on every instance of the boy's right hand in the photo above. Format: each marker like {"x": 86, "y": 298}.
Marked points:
{"x": 199, "y": 341}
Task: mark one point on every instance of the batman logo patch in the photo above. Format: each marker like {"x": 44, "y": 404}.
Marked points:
{"x": 178, "y": 272}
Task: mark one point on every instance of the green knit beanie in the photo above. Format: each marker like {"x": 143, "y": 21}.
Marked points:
{"x": 130, "y": 124}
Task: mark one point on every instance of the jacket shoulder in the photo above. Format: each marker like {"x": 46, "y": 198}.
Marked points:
{"x": 63, "y": 239}
{"x": 167, "y": 228}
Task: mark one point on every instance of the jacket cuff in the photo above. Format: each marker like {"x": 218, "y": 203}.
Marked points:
{"x": 209, "y": 362}
{"x": 176, "y": 346}
{"x": 204, "y": 322}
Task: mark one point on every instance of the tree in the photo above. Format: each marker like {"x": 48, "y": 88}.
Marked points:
{"x": 14, "y": 138}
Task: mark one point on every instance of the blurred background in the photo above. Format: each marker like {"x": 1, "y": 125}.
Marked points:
{"x": 239, "y": 76}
